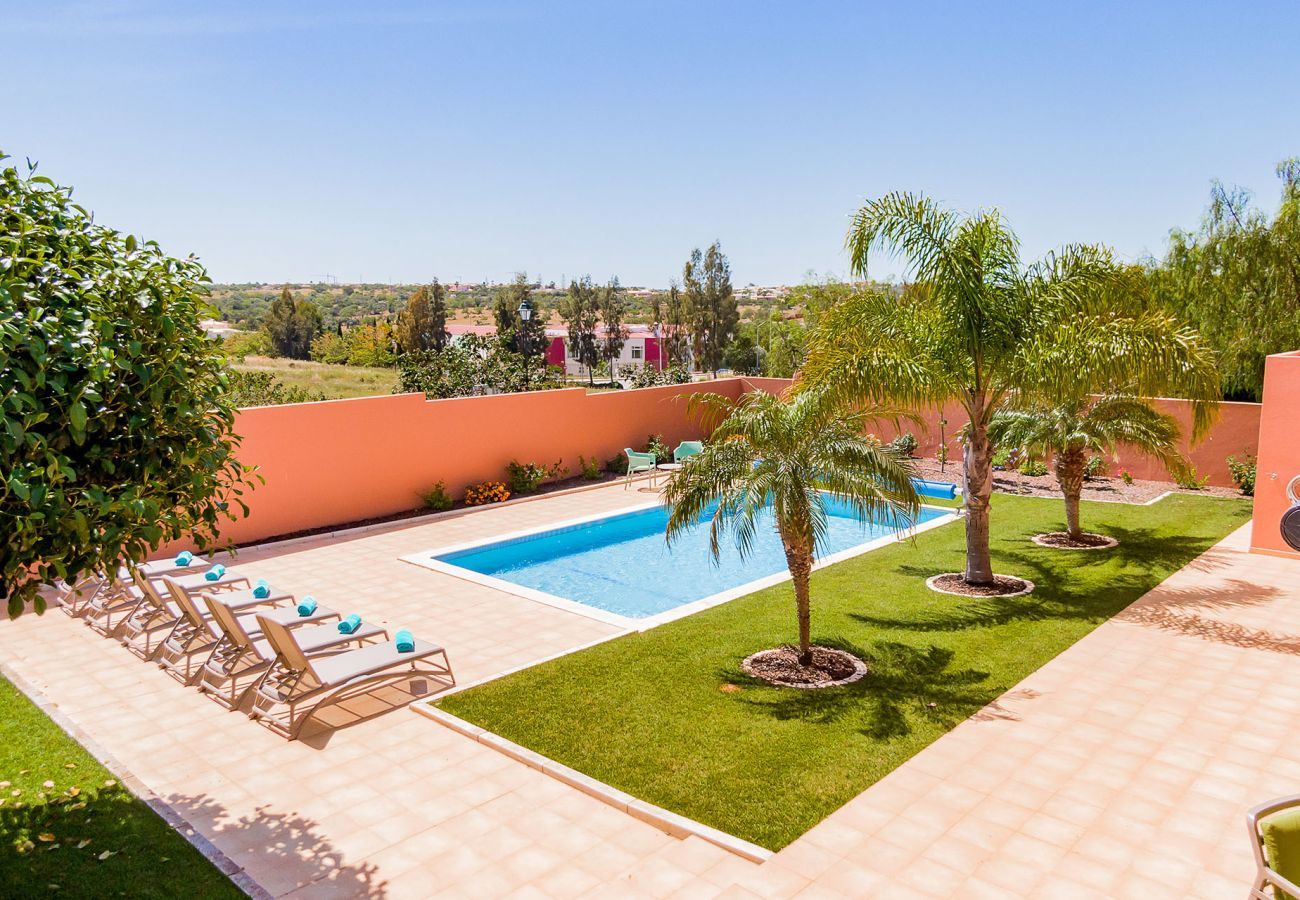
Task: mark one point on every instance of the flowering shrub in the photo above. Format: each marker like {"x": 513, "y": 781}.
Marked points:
{"x": 487, "y": 492}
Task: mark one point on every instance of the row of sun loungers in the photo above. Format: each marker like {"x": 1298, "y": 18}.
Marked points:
{"x": 247, "y": 645}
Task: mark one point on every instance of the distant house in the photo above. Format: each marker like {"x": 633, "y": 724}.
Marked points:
{"x": 640, "y": 349}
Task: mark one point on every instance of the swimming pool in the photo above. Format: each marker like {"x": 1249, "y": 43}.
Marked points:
{"x": 619, "y": 569}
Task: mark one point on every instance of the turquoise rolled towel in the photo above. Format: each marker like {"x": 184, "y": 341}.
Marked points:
{"x": 350, "y": 624}
{"x": 184, "y": 558}
{"x": 215, "y": 572}
{"x": 307, "y": 605}
{"x": 261, "y": 590}
{"x": 405, "y": 641}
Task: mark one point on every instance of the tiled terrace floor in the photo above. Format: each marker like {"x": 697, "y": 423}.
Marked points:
{"x": 1122, "y": 768}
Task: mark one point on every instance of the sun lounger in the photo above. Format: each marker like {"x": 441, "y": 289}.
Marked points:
{"x": 194, "y": 630}
{"x": 297, "y": 679}
{"x": 243, "y": 651}
{"x": 1275, "y": 841}
{"x": 79, "y": 598}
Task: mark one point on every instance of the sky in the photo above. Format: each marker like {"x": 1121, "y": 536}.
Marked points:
{"x": 399, "y": 141}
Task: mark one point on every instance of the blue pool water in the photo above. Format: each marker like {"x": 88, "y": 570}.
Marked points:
{"x": 622, "y": 565}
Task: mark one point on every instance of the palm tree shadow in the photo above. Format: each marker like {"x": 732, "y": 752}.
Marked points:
{"x": 903, "y": 683}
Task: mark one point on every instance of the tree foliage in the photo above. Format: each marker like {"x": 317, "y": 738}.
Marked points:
{"x": 422, "y": 323}
{"x": 789, "y": 455}
{"x": 474, "y": 365}
{"x": 117, "y": 413}
{"x": 1238, "y": 278}
{"x": 711, "y": 305}
{"x": 263, "y": 389}
{"x": 580, "y": 311}
{"x": 978, "y": 327}
{"x": 613, "y": 309}
{"x": 292, "y": 325}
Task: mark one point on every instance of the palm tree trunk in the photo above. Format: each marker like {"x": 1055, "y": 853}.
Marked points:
{"x": 1069, "y": 472}
{"x": 978, "y": 460}
{"x": 798, "y": 558}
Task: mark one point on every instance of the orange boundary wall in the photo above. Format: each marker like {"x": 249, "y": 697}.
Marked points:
{"x": 341, "y": 461}
{"x": 1279, "y": 452}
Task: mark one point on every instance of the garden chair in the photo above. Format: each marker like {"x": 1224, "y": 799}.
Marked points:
{"x": 638, "y": 463}
{"x": 242, "y": 651}
{"x": 194, "y": 631}
{"x": 687, "y": 449}
{"x": 296, "y": 679}
{"x": 1275, "y": 839}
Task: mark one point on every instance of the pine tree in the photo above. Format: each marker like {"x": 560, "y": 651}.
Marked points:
{"x": 612, "y": 309}
{"x": 580, "y": 311}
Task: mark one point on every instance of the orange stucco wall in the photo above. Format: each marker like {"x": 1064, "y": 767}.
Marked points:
{"x": 342, "y": 461}
{"x": 1279, "y": 452}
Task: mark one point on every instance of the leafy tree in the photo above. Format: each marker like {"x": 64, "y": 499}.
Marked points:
{"x": 791, "y": 455}
{"x": 372, "y": 344}
{"x": 977, "y": 327}
{"x": 474, "y": 365}
{"x": 580, "y": 311}
{"x": 415, "y": 322}
{"x": 711, "y": 304}
{"x": 330, "y": 347}
{"x": 676, "y": 323}
{"x": 248, "y": 343}
{"x": 263, "y": 389}
{"x": 1238, "y": 278}
{"x": 438, "y": 335}
{"x": 613, "y": 308}
{"x": 117, "y": 413}
{"x": 1072, "y": 430}
{"x": 292, "y": 325}
{"x": 741, "y": 356}
{"x": 784, "y": 344}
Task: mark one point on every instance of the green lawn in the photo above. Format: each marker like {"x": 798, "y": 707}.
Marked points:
{"x": 334, "y": 381}
{"x": 645, "y": 712}
{"x": 85, "y": 836}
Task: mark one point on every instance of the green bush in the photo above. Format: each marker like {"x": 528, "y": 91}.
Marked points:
{"x": 1095, "y": 467}
{"x": 1033, "y": 468}
{"x": 1125, "y": 477}
{"x": 262, "y": 389}
{"x": 591, "y": 468}
{"x": 248, "y": 343}
{"x": 1243, "y": 473}
{"x": 904, "y": 445}
{"x": 117, "y": 410}
{"x": 655, "y": 444}
{"x": 437, "y": 498}
{"x": 1187, "y": 479}
{"x": 524, "y": 478}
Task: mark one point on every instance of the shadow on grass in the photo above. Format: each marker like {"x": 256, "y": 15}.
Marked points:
{"x": 902, "y": 682}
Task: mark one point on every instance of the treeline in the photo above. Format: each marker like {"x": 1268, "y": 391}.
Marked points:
{"x": 1237, "y": 279}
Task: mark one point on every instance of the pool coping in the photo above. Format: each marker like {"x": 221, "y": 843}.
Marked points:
{"x": 425, "y": 559}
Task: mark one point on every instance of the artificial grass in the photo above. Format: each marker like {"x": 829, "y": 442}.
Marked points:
{"x": 645, "y": 713}
{"x": 86, "y": 835}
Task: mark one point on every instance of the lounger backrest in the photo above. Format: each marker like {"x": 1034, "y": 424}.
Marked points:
{"x": 146, "y": 587}
{"x": 286, "y": 646}
{"x": 228, "y": 623}
{"x": 182, "y": 598}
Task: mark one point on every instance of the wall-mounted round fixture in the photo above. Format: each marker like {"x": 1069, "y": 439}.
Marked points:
{"x": 1291, "y": 518}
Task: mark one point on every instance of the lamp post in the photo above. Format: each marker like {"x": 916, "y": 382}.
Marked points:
{"x": 525, "y": 313}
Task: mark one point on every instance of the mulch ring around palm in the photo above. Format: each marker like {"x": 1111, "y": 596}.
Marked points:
{"x": 956, "y": 584}
{"x": 780, "y": 666}
{"x": 1060, "y": 540}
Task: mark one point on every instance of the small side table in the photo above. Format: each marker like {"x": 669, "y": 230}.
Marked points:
{"x": 667, "y": 467}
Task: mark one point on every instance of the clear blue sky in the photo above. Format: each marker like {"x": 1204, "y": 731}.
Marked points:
{"x": 394, "y": 141}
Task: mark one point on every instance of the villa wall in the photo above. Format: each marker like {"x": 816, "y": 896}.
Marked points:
{"x": 1279, "y": 452}
{"x": 340, "y": 461}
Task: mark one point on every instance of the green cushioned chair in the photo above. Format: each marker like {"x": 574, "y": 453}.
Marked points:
{"x": 1275, "y": 838}
{"x": 687, "y": 449}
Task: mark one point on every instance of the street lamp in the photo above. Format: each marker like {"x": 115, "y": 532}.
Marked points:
{"x": 525, "y": 313}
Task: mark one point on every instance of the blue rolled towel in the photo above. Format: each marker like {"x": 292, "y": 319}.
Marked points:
{"x": 184, "y": 558}
{"x": 405, "y": 641}
{"x": 307, "y": 605}
{"x": 350, "y": 624}
{"x": 261, "y": 590}
{"x": 215, "y": 572}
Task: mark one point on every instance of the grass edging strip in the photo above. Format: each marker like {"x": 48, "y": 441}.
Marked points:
{"x": 668, "y": 822}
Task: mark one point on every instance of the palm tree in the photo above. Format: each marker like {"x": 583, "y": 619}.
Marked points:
{"x": 977, "y": 326}
{"x": 1071, "y": 430}
{"x": 789, "y": 455}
